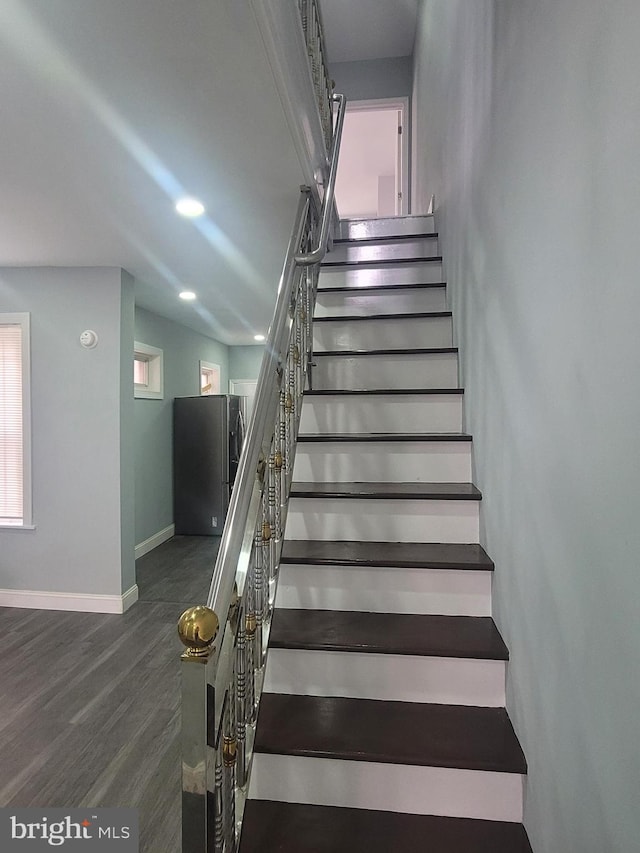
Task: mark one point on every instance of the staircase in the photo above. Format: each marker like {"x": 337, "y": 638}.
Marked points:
{"x": 382, "y": 726}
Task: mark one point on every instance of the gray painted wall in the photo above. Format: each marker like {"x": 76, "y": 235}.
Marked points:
{"x": 182, "y": 350}
{"x": 78, "y": 436}
{"x": 527, "y": 127}
{"x": 244, "y": 362}
{"x": 369, "y": 79}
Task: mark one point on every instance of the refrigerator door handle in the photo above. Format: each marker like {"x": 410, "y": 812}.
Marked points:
{"x": 238, "y": 437}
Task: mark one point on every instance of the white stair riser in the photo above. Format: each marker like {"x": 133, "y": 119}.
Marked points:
{"x": 373, "y": 589}
{"x": 373, "y": 372}
{"x": 409, "y": 789}
{"x": 400, "y": 678}
{"x": 352, "y": 229}
{"x": 364, "y": 303}
{"x": 384, "y": 462}
{"x": 383, "y": 334}
{"x": 428, "y": 272}
{"x": 420, "y": 247}
{"x": 383, "y": 520}
{"x": 396, "y": 413}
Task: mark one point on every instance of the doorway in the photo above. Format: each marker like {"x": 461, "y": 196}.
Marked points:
{"x": 372, "y": 178}
{"x": 245, "y": 388}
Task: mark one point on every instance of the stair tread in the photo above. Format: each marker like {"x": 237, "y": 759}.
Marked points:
{"x": 270, "y": 826}
{"x": 433, "y": 259}
{"x": 400, "y": 491}
{"x": 405, "y": 351}
{"x": 410, "y": 555}
{"x": 473, "y": 637}
{"x": 367, "y": 288}
{"x": 385, "y": 436}
{"x": 392, "y": 238}
{"x": 417, "y": 315}
{"x": 384, "y": 391}
{"x": 409, "y": 733}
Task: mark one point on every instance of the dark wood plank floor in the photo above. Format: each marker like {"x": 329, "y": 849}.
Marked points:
{"x": 89, "y": 708}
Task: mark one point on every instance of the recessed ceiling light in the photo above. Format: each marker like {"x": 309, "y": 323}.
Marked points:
{"x": 258, "y": 337}
{"x": 187, "y": 295}
{"x": 190, "y": 207}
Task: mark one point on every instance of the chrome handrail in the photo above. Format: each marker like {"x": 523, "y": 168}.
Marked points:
{"x": 317, "y": 254}
{"x": 227, "y": 640}
{"x": 275, "y": 353}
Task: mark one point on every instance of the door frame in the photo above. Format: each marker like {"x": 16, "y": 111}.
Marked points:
{"x": 402, "y": 105}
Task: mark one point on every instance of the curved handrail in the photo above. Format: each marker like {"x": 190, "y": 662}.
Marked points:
{"x": 266, "y": 400}
{"x": 227, "y": 640}
{"x": 315, "y": 256}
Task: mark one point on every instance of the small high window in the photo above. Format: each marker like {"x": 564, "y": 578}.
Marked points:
{"x": 148, "y": 372}
{"x": 209, "y": 378}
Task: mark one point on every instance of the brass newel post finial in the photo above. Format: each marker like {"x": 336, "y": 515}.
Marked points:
{"x": 197, "y": 628}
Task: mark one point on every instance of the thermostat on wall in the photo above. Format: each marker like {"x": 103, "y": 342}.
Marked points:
{"x": 88, "y": 339}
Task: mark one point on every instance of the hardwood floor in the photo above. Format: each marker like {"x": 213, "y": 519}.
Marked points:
{"x": 89, "y": 711}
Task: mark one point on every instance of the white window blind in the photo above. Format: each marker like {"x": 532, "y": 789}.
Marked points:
{"x": 14, "y": 487}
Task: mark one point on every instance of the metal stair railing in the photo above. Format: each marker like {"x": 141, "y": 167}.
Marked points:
{"x": 226, "y": 640}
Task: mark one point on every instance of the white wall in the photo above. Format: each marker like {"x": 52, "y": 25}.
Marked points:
{"x": 81, "y": 489}
{"x": 244, "y": 362}
{"x": 369, "y": 79}
{"x": 369, "y": 150}
{"x": 527, "y": 120}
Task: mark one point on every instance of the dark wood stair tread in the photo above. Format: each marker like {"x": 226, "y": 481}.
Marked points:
{"x": 383, "y": 392}
{"x": 368, "y": 288}
{"x": 355, "y": 318}
{"x": 383, "y": 262}
{"x": 393, "y": 238}
{"x": 277, "y": 827}
{"x": 402, "y": 555}
{"x": 392, "y": 491}
{"x": 404, "y": 351}
{"x": 474, "y": 637}
{"x": 454, "y": 736}
{"x": 384, "y": 436}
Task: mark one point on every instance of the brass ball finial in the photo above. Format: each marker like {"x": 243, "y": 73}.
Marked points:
{"x": 197, "y": 629}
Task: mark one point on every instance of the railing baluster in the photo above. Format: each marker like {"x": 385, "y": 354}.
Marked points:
{"x": 219, "y": 802}
{"x": 241, "y": 700}
{"x": 229, "y": 745}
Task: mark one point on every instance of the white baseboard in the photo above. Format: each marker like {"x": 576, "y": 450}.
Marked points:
{"x": 153, "y": 541}
{"x": 77, "y": 601}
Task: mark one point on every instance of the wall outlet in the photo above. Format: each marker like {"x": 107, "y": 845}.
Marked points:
{"x": 214, "y": 520}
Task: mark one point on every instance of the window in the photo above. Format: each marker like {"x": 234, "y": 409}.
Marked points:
{"x": 148, "y": 372}
{"x": 209, "y": 378}
{"x": 15, "y": 421}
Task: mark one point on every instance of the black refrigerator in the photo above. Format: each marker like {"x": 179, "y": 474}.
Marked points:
{"x": 208, "y": 432}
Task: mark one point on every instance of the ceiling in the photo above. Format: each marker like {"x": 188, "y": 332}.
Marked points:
{"x": 369, "y": 29}
{"x": 113, "y": 109}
